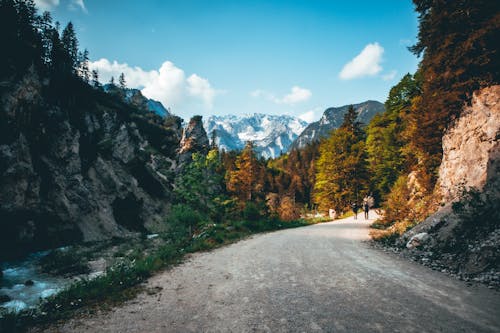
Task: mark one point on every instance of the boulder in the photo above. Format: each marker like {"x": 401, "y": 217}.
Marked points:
{"x": 417, "y": 240}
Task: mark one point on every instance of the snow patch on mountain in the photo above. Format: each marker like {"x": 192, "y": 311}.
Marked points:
{"x": 272, "y": 135}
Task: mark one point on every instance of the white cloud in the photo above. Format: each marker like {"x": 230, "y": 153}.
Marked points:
{"x": 200, "y": 87}
{"x": 51, "y": 4}
{"x": 296, "y": 95}
{"x": 46, "y": 4}
{"x": 367, "y": 63}
{"x": 77, "y": 4}
{"x": 311, "y": 115}
{"x": 389, "y": 76}
{"x": 168, "y": 85}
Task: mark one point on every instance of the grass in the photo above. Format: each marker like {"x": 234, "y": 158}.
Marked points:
{"x": 120, "y": 282}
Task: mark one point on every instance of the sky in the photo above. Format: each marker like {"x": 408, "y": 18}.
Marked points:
{"x": 243, "y": 57}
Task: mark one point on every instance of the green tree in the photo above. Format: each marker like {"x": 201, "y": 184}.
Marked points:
{"x": 95, "y": 79}
{"x": 121, "y": 81}
{"x": 199, "y": 186}
{"x": 341, "y": 174}
{"x": 83, "y": 67}
{"x": 70, "y": 44}
{"x": 385, "y": 142}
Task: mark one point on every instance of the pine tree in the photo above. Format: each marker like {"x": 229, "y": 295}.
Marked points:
{"x": 112, "y": 81}
{"x": 385, "y": 144}
{"x": 199, "y": 186}
{"x": 244, "y": 181}
{"x": 60, "y": 62}
{"x": 70, "y": 44}
{"x": 83, "y": 68}
{"x": 46, "y": 28}
{"x": 341, "y": 176}
{"x": 95, "y": 78}
{"x": 121, "y": 81}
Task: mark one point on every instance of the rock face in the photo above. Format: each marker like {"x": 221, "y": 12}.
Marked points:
{"x": 194, "y": 140}
{"x": 464, "y": 235}
{"x": 92, "y": 169}
{"x": 471, "y": 148}
{"x": 271, "y": 135}
{"x": 332, "y": 118}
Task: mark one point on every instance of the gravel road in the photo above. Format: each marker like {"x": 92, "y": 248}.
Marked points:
{"x": 321, "y": 278}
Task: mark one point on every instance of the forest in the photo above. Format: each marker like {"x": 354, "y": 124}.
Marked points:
{"x": 215, "y": 196}
{"x": 355, "y": 160}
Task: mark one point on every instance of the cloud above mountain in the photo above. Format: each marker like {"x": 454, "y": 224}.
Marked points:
{"x": 46, "y": 4}
{"x": 168, "y": 84}
{"x": 311, "y": 115}
{"x": 366, "y": 63}
{"x": 51, "y": 4}
{"x": 296, "y": 95}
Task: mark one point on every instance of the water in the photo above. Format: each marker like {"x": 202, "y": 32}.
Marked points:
{"x": 16, "y": 273}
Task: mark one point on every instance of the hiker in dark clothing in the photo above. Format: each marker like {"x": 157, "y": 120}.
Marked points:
{"x": 355, "y": 208}
{"x": 366, "y": 208}
{"x": 367, "y": 204}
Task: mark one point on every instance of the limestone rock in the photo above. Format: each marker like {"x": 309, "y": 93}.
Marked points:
{"x": 466, "y": 241}
{"x": 83, "y": 174}
{"x": 471, "y": 149}
{"x": 194, "y": 139}
{"x": 417, "y": 240}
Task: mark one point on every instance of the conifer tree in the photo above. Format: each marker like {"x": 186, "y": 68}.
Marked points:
{"x": 121, "y": 81}
{"x": 83, "y": 68}
{"x": 244, "y": 180}
{"x": 386, "y": 147}
{"x": 341, "y": 176}
{"x": 70, "y": 44}
{"x": 95, "y": 79}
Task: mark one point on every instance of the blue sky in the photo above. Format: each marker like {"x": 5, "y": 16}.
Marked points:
{"x": 233, "y": 57}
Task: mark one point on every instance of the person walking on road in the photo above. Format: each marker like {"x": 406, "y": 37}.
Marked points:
{"x": 367, "y": 204}
{"x": 355, "y": 208}
{"x": 366, "y": 209}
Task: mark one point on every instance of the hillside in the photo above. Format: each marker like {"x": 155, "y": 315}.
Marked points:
{"x": 81, "y": 166}
{"x": 332, "y": 118}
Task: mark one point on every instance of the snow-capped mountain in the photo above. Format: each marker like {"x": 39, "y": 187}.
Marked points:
{"x": 332, "y": 118}
{"x": 272, "y": 135}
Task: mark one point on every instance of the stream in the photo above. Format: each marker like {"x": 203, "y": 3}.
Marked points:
{"x": 22, "y": 295}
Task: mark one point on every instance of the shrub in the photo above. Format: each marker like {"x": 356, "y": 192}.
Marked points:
{"x": 251, "y": 212}
{"x": 64, "y": 262}
{"x": 184, "y": 222}
{"x": 288, "y": 211}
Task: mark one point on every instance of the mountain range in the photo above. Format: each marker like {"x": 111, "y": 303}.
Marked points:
{"x": 272, "y": 135}
{"x": 332, "y": 118}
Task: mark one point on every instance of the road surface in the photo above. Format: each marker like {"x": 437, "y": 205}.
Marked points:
{"x": 320, "y": 278}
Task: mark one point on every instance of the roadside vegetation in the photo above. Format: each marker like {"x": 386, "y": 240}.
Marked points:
{"x": 135, "y": 260}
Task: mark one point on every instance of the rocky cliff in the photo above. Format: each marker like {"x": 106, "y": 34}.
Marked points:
{"x": 78, "y": 164}
{"x": 471, "y": 148}
{"x": 194, "y": 140}
{"x": 463, "y": 237}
